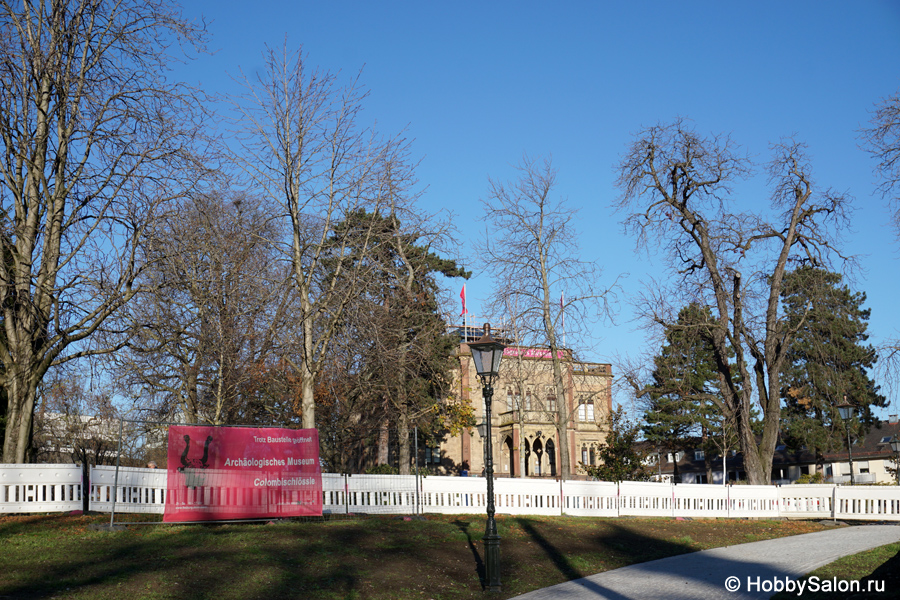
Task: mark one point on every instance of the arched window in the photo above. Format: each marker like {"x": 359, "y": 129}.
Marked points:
{"x": 550, "y": 449}
{"x": 584, "y": 455}
{"x": 593, "y": 456}
{"x": 526, "y": 448}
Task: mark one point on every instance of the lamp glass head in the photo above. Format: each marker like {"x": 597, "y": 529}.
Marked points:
{"x": 895, "y": 444}
{"x": 846, "y": 411}
{"x": 487, "y": 353}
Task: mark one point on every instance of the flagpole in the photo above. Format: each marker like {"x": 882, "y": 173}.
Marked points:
{"x": 465, "y": 314}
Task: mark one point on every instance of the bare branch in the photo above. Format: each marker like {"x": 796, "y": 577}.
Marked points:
{"x": 94, "y": 139}
{"x": 676, "y": 189}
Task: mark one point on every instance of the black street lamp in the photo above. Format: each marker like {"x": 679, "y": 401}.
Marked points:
{"x": 895, "y": 446}
{"x": 486, "y": 353}
{"x": 846, "y": 411}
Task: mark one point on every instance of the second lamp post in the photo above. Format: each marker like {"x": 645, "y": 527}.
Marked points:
{"x": 486, "y": 354}
{"x": 846, "y": 411}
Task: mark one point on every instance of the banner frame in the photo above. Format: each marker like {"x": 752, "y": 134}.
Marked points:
{"x": 122, "y": 422}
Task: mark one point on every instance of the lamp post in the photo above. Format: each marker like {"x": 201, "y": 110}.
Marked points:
{"x": 486, "y": 353}
{"x": 895, "y": 446}
{"x": 846, "y": 412}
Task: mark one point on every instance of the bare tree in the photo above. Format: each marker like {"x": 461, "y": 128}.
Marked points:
{"x": 94, "y": 138}
{"x": 214, "y": 313}
{"x": 76, "y": 424}
{"x": 675, "y": 189}
{"x": 882, "y": 140}
{"x": 532, "y": 253}
{"x": 306, "y": 151}
{"x": 520, "y": 372}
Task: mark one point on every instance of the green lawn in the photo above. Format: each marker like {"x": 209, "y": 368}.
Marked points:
{"x": 880, "y": 566}
{"x": 439, "y": 557}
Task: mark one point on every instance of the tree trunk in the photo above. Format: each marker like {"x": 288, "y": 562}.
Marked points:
{"x": 20, "y": 386}
{"x": 562, "y": 422}
{"x": 384, "y": 438}
{"x": 521, "y": 449}
{"x": 403, "y": 434}
{"x": 307, "y": 374}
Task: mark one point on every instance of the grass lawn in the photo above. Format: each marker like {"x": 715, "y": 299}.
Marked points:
{"x": 437, "y": 558}
{"x": 881, "y": 566}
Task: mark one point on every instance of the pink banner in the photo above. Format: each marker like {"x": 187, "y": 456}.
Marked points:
{"x": 531, "y": 352}
{"x": 219, "y": 473}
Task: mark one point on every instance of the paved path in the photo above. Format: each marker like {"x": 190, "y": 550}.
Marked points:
{"x": 702, "y": 575}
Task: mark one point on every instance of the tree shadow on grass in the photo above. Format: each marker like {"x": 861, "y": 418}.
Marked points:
{"x": 886, "y": 577}
{"x": 658, "y": 568}
{"x": 479, "y": 563}
{"x": 197, "y": 563}
{"x": 563, "y": 565}
{"x": 628, "y": 546}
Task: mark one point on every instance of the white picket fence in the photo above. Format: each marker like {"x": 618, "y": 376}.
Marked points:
{"x": 57, "y": 488}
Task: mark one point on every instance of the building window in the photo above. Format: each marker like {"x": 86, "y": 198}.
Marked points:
{"x": 551, "y": 400}
{"x": 699, "y": 455}
{"x": 432, "y": 456}
{"x": 593, "y": 456}
{"x": 528, "y": 400}
{"x": 584, "y": 455}
{"x": 585, "y": 409}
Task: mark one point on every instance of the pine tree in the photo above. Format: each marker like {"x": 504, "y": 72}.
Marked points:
{"x": 401, "y": 354}
{"x": 682, "y": 397}
{"x": 828, "y": 363}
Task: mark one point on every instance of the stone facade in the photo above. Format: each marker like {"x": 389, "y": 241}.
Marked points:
{"x": 525, "y": 411}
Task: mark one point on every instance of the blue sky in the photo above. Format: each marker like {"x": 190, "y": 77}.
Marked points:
{"x": 477, "y": 85}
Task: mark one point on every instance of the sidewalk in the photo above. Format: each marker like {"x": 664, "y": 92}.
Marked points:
{"x": 702, "y": 575}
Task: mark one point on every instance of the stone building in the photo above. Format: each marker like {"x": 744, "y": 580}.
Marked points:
{"x": 525, "y": 411}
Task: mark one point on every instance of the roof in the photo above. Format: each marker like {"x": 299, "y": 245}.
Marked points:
{"x": 871, "y": 446}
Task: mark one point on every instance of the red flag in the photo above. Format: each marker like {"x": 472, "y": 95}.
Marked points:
{"x": 462, "y": 295}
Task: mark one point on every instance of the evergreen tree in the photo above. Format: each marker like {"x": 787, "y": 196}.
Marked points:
{"x": 681, "y": 407}
{"x": 399, "y": 355}
{"x": 828, "y": 362}
{"x": 620, "y": 459}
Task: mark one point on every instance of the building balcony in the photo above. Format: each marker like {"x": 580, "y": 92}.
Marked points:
{"x": 592, "y": 369}
{"x": 511, "y": 417}
{"x": 858, "y": 478}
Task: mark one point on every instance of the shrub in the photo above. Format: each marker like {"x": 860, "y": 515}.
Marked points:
{"x": 807, "y": 478}
{"x": 382, "y": 470}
